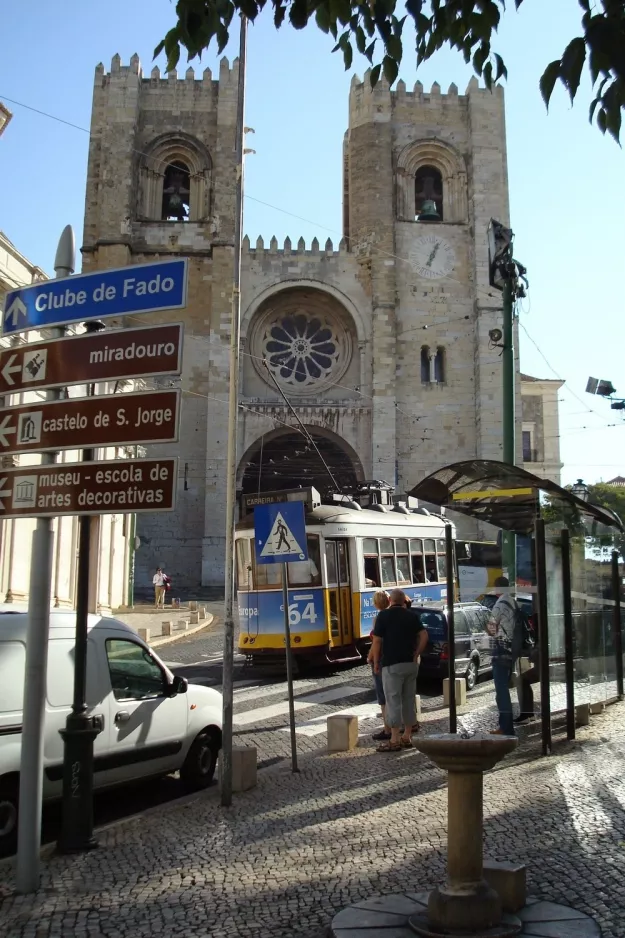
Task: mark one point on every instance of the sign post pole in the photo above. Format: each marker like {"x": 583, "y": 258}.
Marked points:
{"x": 289, "y": 666}
{"x": 31, "y": 763}
{"x": 80, "y": 729}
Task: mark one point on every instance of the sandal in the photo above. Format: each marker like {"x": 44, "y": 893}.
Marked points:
{"x": 406, "y": 743}
{"x": 389, "y": 747}
{"x": 381, "y": 735}
{"x": 416, "y": 728}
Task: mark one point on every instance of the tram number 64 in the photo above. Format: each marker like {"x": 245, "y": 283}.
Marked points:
{"x": 295, "y": 616}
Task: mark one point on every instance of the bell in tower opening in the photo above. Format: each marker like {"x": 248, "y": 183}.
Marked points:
{"x": 176, "y": 191}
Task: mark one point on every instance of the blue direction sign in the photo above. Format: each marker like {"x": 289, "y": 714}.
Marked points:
{"x": 280, "y": 533}
{"x": 144, "y": 288}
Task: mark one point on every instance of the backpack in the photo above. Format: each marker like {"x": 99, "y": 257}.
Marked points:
{"x": 523, "y": 638}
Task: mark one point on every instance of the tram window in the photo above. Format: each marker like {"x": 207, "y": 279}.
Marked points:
{"x": 267, "y": 576}
{"x": 331, "y": 563}
{"x": 307, "y": 572}
{"x": 431, "y": 572}
{"x": 371, "y": 562}
{"x": 343, "y": 565}
{"x": 387, "y": 546}
{"x": 388, "y": 570}
{"x": 403, "y": 560}
{"x": 441, "y": 556}
{"x": 416, "y": 558}
{"x": 244, "y": 564}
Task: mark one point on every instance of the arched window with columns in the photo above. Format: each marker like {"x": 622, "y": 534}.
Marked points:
{"x": 431, "y": 170}
{"x": 175, "y": 180}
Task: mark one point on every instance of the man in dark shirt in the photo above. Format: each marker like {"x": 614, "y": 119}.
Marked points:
{"x": 398, "y": 640}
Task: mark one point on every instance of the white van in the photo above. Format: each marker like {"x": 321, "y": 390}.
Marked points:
{"x": 153, "y": 722}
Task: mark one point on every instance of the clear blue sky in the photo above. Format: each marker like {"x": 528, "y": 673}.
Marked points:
{"x": 567, "y": 183}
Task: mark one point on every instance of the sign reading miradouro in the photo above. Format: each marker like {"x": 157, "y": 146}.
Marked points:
{"x": 88, "y": 488}
{"x": 143, "y": 288}
{"x": 103, "y": 356}
{"x": 82, "y": 422}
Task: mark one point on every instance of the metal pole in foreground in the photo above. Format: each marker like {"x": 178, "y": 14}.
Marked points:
{"x": 289, "y": 666}
{"x": 509, "y": 443}
{"x": 617, "y": 623}
{"x": 569, "y": 650}
{"x": 31, "y": 764}
{"x": 543, "y": 634}
{"x": 80, "y": 729}
{"x": 231, "y": 463}
{"x": 451, "y": 598}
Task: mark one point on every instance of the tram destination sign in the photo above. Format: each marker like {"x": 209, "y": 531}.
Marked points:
{"x": 142, "y": 288}
{"x": 84, "y": 422}
{"x": 93, "y": 488}
{"x": 103, "y": 356}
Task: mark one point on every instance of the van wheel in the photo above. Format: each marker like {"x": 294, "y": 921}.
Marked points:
{"x": 9, "y": 800}
{"x": 198, "y": 769}
{"x": 471, "y": 675}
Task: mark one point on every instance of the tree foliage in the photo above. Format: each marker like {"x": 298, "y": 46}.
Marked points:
{"x": 374, "y": 29}
{"x": 612, "y": 497}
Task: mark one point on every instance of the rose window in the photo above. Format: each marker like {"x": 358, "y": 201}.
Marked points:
{"x": 303, "y": 350}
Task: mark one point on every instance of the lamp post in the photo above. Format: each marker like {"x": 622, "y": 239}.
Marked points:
{"x": 581, "y": 490}
{"x": 506, "y": 274}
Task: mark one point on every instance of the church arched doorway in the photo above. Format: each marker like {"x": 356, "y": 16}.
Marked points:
{"x": 288, "y": 460}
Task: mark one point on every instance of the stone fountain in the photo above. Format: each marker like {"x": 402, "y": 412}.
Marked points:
{"x": 466, "y": 906}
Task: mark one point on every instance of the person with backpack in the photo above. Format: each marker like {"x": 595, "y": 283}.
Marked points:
{"x": 506, "y": 629}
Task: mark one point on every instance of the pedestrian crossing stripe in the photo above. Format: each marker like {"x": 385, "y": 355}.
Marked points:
{"x": 281, "y": 540}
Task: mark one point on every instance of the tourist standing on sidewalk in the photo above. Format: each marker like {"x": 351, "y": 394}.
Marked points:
{"x": 502, "y": 627}
{"x": 380, "y": 601}
{"x": 398, "y": 640}
{"x": 159, "y": 588}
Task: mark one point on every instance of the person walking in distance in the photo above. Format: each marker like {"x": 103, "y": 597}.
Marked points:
{"x": 503, "y": 629}
{"x": 159, "y": 588}
{"x": 398, "y": 640}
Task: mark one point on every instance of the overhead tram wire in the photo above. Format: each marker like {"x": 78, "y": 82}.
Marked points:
{"x": 303, "y": 428}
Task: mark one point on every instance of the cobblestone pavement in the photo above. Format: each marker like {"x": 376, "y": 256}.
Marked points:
{"x": 293, "y": 851}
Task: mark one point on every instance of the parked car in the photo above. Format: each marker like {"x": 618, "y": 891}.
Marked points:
{"x": 153, "y": 722}
{"x": 473, "y": 645}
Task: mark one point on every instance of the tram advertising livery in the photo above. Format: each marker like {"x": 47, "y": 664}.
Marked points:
{"x": 352, "y": 552}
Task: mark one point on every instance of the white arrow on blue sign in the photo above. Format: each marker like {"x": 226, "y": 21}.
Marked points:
{"x": 144, "y": 288}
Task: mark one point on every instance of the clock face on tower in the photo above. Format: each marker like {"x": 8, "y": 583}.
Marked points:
{"x": 432, "y": 257}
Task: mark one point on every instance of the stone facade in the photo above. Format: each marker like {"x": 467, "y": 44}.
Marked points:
{"x": 379, "y": 345}
{"x": 540, "y": 430}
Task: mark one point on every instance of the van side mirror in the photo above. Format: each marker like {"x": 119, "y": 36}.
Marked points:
{"x": 179, "y": 685}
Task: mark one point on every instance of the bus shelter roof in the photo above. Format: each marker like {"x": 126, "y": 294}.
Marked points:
{"x": 499, "y": 494}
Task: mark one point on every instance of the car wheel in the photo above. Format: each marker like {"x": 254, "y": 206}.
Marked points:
{"x": 198, "y": 769}
{"x": 471, "y": 675}
{"x": 9, "y": 799}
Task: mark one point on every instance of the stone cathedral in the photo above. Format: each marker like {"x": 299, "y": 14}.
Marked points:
{"x": 379, "y": 344}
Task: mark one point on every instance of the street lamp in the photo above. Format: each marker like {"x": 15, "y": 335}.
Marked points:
{"x": 581, "y": 490}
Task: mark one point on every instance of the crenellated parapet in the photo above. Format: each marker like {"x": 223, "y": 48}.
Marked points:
{"x": 288, "y": 250}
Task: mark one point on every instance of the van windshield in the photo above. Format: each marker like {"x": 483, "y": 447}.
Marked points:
{"x": 434, "y": 622}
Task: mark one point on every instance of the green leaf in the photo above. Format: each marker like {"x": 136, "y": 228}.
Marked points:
{"x": 369, "y": 50}
{"x": 375, "y": 75}
{"x": 571, "y": 65}
{"x": 502, "y": 71}
{"x": 394, "y": 48}
{"x": 601, "y": 120}
{"x": 488, "y": 75}
{"x": 548, "y": 80}
{"x": 322, "y": 17}
{"x": 348, "y": 55}
{"x": 391, "y": 68}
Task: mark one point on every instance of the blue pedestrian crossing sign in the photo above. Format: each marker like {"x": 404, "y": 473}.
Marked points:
{"x": 280, "y": 533}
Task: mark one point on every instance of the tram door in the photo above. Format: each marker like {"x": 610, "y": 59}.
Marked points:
{"x": 339, "y": 592}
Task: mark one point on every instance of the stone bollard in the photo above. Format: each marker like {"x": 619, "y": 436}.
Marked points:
{"x": 461, "y": 691}
{"x": 243, "y": 768}
{"x": 194, "y": 618}
{"x": 183, "y": 624}
{"x": 167, "y": 627}
{"x": 342, "y": 732}
{"x": 202, "y": 611}
{"x": 417, "y": 706}
{"x": 509, "y": 882}
{"x": 193, "y": 606}
{"x": 144, "y": 634}
{"x": 582, "y": 715}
